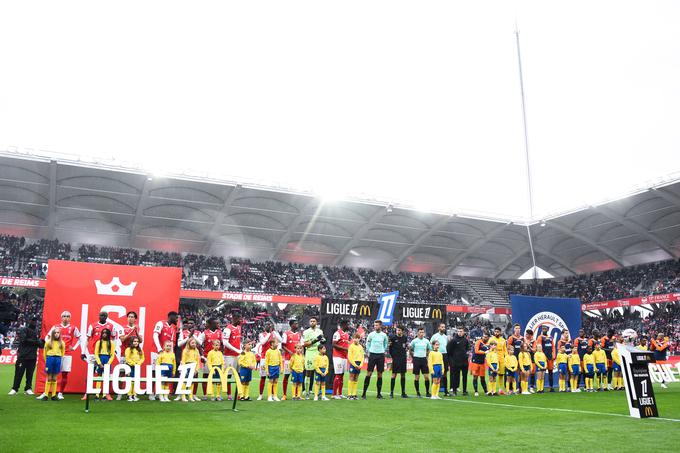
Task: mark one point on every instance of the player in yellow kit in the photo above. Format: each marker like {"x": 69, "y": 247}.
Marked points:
{"x": 134, "y": 355}
{"x": 525, "y": 363}
{"x": 575, "y": 370}
{"x": 190, "y": 355}
{"x": 502, "y": 351}
{"x": 541, "y": 362}
{"x": 435, "y": 362}
{"x": 617, "y": 378}
{"x": 166, "y": 360}
{"x": 320, "y": 372}
{"x": 246, "y": 363}
{"x": 297, "y": 368}
{"x": 511, "y": 365}
{"x": 562, "y": 361}
{"x": 492, "y": 364}
{"x": 356, "y": 356}
{"x": 600, "y": 367}
{"x": 589, "y": 369}
{"x": 272, "y": 363}
{"x": 215, "y": 362}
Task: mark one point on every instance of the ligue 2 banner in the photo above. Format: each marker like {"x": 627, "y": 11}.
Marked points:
{"x": 86, "y": 289}
{"x": 532, "y": 312}
{"x": 386, "y": 309}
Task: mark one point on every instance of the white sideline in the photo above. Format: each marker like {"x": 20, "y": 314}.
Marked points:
{"x": 555, "y": 409}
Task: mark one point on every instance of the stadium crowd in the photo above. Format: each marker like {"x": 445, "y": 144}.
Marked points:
{"x": 23, "y": 258}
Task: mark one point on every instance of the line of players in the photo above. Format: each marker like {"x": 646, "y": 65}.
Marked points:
{"x": 591, "y": 362}
{"x": 521, "y": 363}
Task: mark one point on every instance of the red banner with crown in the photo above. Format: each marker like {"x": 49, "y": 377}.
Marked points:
{"x": 86, "y": 289}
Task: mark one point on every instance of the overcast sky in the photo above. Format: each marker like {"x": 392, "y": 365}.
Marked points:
{"x": 411, "y": 102}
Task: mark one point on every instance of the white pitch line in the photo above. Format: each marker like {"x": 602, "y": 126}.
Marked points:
{"x": 556, "y": 409}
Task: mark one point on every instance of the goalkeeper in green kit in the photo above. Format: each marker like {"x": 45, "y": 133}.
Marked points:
{"x": 311, "y": 337}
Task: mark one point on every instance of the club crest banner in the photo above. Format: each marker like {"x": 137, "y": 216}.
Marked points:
{"x": 532, "y": 312}
{"x": 85, "y": 289}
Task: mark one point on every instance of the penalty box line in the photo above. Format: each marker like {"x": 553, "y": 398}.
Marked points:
{"x": 555, "y": 409}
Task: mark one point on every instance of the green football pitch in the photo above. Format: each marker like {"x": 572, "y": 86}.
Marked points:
{"x": 587, "y": 422}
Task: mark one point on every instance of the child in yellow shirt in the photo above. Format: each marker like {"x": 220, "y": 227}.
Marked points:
{"x": 134, "y": 356}
{"x": 541, "y": 362}
{"x": 616, "y": 367}
{"x": 247, "y": 363}
{"x": 320, "y": 372}
{"x": 511, "y": 365}
{"x": 272, "y": 363}
{"x": 190, "y": 355}
{"x": 215, "y": 364}
{"x": 435, "y": 362}
{"x": 562, "y": 368}
{"x": 166, "y": 360}
{"x": 53, "y": 353}
{"x": 297, "y": 368}
{"x": 575, "y": 370}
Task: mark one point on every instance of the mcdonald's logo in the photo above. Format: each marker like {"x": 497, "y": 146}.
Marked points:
{"x": 437, "y": 314}
{"x": 649, "y": 411}
{"x": 224, "y": 379}
{"x": 365, "y": 310}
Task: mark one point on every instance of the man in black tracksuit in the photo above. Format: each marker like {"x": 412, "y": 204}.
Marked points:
{"x": 27, "y": 338}
{"x": 457, "y": 350}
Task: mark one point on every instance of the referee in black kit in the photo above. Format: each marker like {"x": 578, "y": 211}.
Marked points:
{"x": 397, "y": 349}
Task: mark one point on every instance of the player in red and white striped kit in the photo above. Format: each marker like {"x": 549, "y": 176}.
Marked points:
{"x": 231, "y": 339}
{"x": 165, "y": 331}
{"x": 340, "y": 364}
{"x": 94, "y": 333}
{"x": 70, "y": 335}
{"x": 291, "y": 338}
{"x": 211, "y": 334}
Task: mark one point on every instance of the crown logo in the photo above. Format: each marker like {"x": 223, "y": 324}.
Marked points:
{"x": 115, "y": 288}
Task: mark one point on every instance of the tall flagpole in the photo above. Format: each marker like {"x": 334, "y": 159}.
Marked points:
{"x": 526, "y": 151}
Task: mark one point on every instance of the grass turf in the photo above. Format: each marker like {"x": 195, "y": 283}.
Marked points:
{"x": 454, "y": 424}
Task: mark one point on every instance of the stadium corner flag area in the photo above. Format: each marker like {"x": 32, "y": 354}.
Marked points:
{"x": 320, "y": 226}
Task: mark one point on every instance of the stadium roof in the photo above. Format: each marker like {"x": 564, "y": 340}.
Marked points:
{"x": 95, "y": 203}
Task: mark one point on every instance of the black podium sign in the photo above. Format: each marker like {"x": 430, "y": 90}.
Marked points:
{"x": 638, "y": 382}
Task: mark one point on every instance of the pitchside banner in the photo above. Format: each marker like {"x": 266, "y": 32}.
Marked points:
{"x": 85, "y": 289}
{"x": 369, "y": 310}
{"x": 532, "y": 312}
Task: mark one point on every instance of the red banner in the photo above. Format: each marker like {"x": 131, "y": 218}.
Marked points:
{"x": 8, "y": 357}
{"x": 476, "y": 309}
{"x": 248, "y": 297}
{"x": 630, "y": 302}
{"x": 85, "y": 289}
{"x": 22, "y": 282}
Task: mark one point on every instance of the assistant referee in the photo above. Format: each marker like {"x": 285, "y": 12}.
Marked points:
{"x": 376, "y": 345}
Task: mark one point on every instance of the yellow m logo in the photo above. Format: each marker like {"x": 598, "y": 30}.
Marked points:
{"x": 649, "y": 412}
{"x": 437, "y": 314}
{"x": 365, "y": 310}
{"x": 223, "y": 374}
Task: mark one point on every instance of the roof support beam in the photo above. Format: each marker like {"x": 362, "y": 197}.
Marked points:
{"x": 219, "y": 219}
{"x": 141, "y": 203}
{"x": 636, "y": 227}
{"x": 310, "y": 208}
{"x": 479, "y": 243}
{"x": 422, "y": 238}
{"x": 356, "y": 238}
{"x": 538, "y": 251}
{"x": 666, "y": 195}
{"x": 52, "y": 215}
{"x": 576, "y": 235}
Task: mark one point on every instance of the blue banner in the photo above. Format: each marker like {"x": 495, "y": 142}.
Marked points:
{"x": 532, "y": 312}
